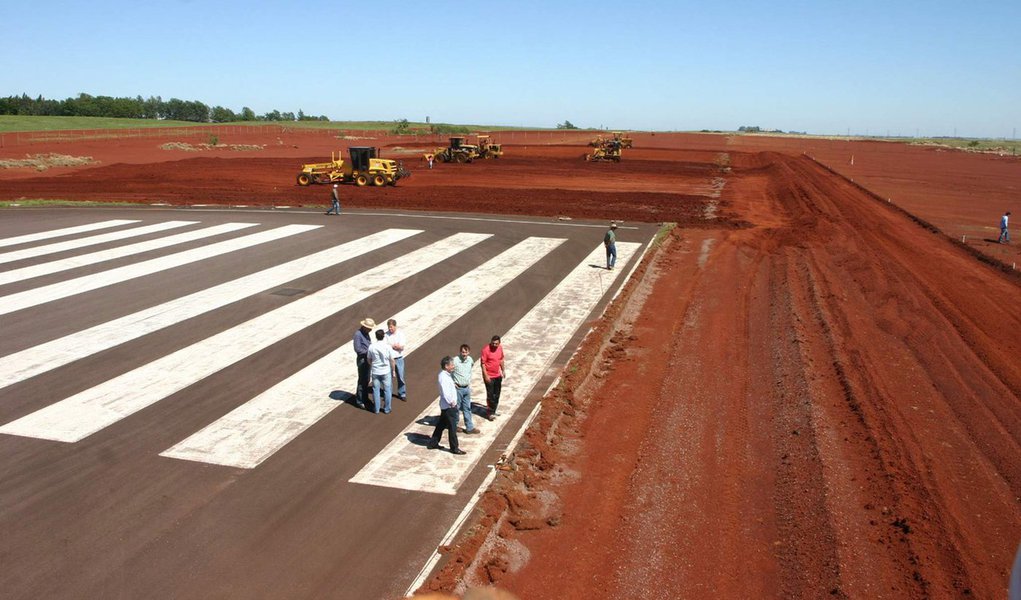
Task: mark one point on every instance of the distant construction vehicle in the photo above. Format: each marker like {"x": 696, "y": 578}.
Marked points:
{"x": 625, "y": 142}
{"x": 365, "y": 167}
{"x": 608, "y": 151}
{"x": 488, "y": 149}
{"x": 458, "y": 151}
{"x": 618, "y": 136}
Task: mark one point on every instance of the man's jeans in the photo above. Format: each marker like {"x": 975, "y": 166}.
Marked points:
{"x": 401, "y": 391}
{"x": 379, "y": 381}
{"x": 1004, "y": 236}
{"x": 464, "y": 404}
{"x": 611, "y": 256}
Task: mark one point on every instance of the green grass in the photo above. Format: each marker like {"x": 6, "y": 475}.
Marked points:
{"x": 12, "y": 123}
{"x": 971, "y": 144}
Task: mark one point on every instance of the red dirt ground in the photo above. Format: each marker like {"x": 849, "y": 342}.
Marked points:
{"x": 807, "y": 391}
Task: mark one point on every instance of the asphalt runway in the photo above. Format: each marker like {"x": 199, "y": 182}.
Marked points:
{"x": 176, "y": 414}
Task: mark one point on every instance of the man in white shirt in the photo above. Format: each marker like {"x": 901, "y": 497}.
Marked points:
{"x": 397, "y": 342}
{"x": 448, "y": 408}
{"x": 380, "y": 369}
{"x": 1004, "y": 234}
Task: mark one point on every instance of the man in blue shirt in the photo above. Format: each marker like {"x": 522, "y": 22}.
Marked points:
{"x": 448, "y": 408}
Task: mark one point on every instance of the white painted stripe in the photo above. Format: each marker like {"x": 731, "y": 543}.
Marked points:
{"x": 102, "y": 238}
{"x": 45, "y": 235}
{"x": 56, "y": 291}
{"x": 92, "y": 258}
{"x": 530, "y": 347}
{"x": 50, "y": 355}
{"x": 255, "y": 430}
{"x": 83, "y": 414}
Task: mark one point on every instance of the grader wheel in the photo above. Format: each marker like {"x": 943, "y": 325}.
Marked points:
{"x": 378, "y": 180}
{"x": 362, "y": 180}
{"x": 461, "y": 158}
{"x": 304, "y": 179}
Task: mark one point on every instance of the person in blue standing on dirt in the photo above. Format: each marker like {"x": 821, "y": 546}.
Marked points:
{"x": 610, "y": 241}
{"x": 1004, "y": 234}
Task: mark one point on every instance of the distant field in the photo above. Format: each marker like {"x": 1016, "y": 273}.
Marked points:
{"x": 9, "y": 123}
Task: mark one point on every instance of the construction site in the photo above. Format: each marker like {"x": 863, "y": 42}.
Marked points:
{"x": 816, "y": 355}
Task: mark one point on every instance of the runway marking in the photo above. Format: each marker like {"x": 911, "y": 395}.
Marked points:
{"x": 254, "y": 431}
{"x": 92, "y": 258}
{"x": 85, "y": 413}
{"x": 86, "y": 283}
{"x": 102, "y": 238}
{"x": 530, "y": 347}
{"x": 56, "y": 353}
{"x": 53, "y": 233}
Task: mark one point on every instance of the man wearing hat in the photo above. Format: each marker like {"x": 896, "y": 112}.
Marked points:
{"x": 362, "y": 341}
{"x": 610, "y": 241}
{"x": 335, "y": 209}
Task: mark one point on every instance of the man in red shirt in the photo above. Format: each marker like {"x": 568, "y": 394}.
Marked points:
{"x": 492, "y": 375}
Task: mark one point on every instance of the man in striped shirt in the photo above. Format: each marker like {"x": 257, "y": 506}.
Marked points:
{"x": 462, "y": 376}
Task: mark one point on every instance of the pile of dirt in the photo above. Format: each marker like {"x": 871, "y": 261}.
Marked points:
{"x": 42, "y": 162}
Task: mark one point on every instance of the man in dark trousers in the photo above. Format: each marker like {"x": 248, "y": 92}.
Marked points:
{"x": 448, "y": 408}
{"x": 492, "y": 375}
{"x": 335, "y": 196}
{"x": 610, "y": 241}
{"x": 362, "y": 341}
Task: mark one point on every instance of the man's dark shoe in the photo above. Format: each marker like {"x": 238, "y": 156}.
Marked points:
{"x": 433, "y": 446}
{"x": 458, "y": 451}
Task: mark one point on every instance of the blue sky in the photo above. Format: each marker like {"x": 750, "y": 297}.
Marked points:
{"x": 895, "y": 67}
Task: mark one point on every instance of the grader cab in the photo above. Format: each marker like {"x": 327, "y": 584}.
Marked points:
{"x": 365, "y": 167}
{"x": 625, "y": 142}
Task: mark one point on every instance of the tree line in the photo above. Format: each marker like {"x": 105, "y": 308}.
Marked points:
{"x": 153, "y": 107}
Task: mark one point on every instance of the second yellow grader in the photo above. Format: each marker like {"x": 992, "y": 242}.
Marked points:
{"x": 364, "y": 168}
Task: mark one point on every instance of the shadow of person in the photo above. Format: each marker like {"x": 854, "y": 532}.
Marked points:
{"x": 347, "y": 398}
{"x": 418, "y": 439}
{"x": 600, "y": 267}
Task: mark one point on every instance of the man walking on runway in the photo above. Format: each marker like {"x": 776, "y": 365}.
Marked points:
{"x": 448, "y": 408}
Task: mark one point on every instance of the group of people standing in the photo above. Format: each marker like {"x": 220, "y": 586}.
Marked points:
{"x": 381, "y": 361}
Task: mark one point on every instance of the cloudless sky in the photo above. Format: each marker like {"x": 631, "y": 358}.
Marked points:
{"x": 889, "y": 67}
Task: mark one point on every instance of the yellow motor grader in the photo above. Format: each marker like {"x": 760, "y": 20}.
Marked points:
{"x": 488, "y": 149}
{"x": 608, "y": 151}
{"x": 457, "y": 152}
{"x": 365, "y": 167}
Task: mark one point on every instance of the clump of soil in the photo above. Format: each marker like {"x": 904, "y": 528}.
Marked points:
{"x": 41, "y": 162}
{"x": 202, "y": 147}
